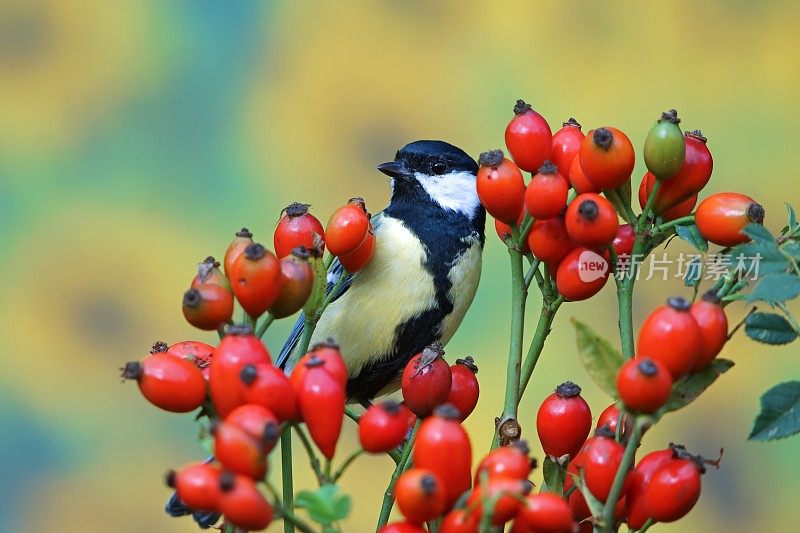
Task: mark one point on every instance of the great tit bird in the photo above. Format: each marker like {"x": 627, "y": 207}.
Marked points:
{"x": 419, "y": 284}
{"x": 422, "y": 277}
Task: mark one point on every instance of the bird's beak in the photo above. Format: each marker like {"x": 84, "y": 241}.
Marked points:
{"x": 395, "y": 169}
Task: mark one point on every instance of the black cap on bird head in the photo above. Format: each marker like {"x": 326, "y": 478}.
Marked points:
{"x": 430, "y": 158}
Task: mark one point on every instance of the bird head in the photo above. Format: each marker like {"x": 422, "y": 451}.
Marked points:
{"x": 435, "y": 171}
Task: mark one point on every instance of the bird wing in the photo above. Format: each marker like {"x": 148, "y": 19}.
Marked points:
{"x": 335, "y": 272}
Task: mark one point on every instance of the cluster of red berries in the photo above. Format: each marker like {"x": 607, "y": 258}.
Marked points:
{"x": 598, "y": 166}
{"x": 662, "y": 487}
{"x": 676, "y": 339}
{"x": 440, "y": 484}
{"x": 279, "y": 283}
{"x": 429, "y": 382}
{"x": 252, "y": 400}
{"x": 679, "y": 338}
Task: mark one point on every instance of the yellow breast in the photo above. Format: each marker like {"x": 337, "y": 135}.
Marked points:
{"x": 465, "y": 275}
{"x": 392, "y": 288}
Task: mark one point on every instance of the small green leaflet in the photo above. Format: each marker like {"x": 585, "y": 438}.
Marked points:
{"x": 688, "y": 388}
{"x": 793, "y": 249}
{"x": 792, "y": 215}
{"x": 769, "y": 258}
{"x": 758, "y": 233}
{"x": 769, "y": 328}
{"x": 691, "y": 234}
{"x": 554, "y": 475}
{"x": 775, "y": 288}
{"x": 599, "y": 358}
{"x": 780, "y": 413}
{"x": 762, "y": 252}
{"x": 325, "y": 506}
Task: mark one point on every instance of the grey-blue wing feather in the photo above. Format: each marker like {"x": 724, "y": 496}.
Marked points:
{"x": 335, "y": 271}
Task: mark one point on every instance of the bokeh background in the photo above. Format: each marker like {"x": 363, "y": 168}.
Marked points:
{"x": 136, "y": 137}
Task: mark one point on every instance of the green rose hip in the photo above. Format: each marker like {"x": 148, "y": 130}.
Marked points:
{"x": 664, "y": 147}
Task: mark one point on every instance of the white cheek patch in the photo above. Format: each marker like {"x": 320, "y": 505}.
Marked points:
{"x": 456, "y": 191}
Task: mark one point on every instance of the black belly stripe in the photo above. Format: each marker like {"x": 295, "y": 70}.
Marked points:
{"x": 445, "y": 234}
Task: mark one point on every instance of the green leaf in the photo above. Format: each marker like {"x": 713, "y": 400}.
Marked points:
{"x": 769, "y": 328}
{"x": 691, "y": 234}
{"x": 780, "y": 413}
{"x": 793, "y": 249}
{"x": 792, "y": 216}
{"x": 775, "y": 288}
{"x": 764, "y": 257}
{"x": 694, "y": 272}
{"x": 325, "y": 506}
{"x": 554, "y": 475}
{"x": 688, "y": 388}
{"x": 599, "y": 358}
{"x": 758, "y": 233}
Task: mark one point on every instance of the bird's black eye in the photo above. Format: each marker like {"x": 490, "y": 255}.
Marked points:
{"x": 439, "y": 167}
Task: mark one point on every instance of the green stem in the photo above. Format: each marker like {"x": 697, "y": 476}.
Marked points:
{"x": 533, "y": 271}
{"x": 607, "y": 518}
{"x": 647, "y": 525}
{"x": 547, "y": 286}
{"x": 488, "y": 511}
{"x": 525, "y": 228}
{"x": 331, "y": 295}
{"x": 661, "y": 228}
{"x": 352, "y": 413}
{"x": 546, "y": 318}
{"x": 625, "y": 303}
{"x": 285, "y": 513}
{"x": 628, "y": 278}
{"x": 741, "y": 322}
{"x": 311, "y": 319}
{"x": 728, "y": 282}
{"x": 293, "y": 520}
{"x": 789, "y": 257}
{"x": 620, "y": 205}
{"x": 518, "y": 295}
{"x": 347, "y": 462}
{"x": 642, "y": 220}
{"x": 305, "y": 339}
{"x": 625, "y": 285}
{"x": 286, "y": 474}
{"x": 268, "y": 320}
{"x": 312, "y": 456}
{"x": 402, "y": 466}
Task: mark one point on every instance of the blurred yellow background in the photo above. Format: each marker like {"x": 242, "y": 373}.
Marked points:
{"x": 136, "y": 137}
